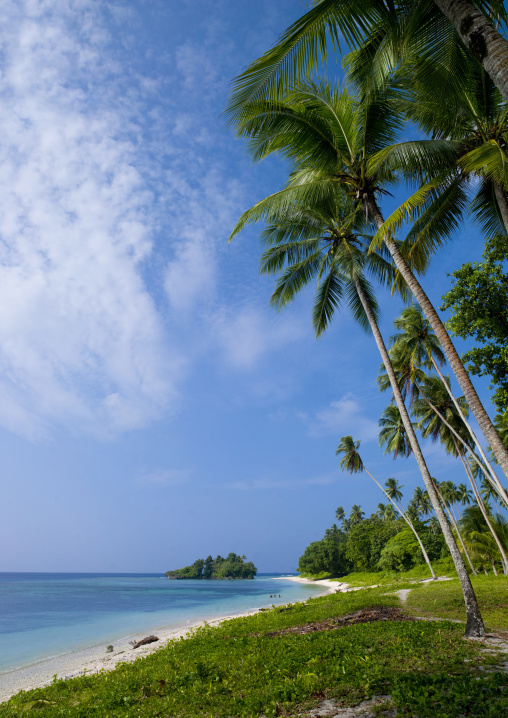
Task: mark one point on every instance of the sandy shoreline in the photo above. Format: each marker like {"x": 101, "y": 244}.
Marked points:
{"x": 93, "y": 660}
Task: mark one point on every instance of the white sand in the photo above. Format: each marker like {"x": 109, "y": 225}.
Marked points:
{"x": 95, "y": 659}
{"x": 325, "y": 582}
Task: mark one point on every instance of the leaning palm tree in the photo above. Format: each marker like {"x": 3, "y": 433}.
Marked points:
{"x": 318, "y": 127}
{"x": 416, "y": 345}
{"x": 332, "y": 138}
{"x": 440, "y": 420}
{"x": 352, "y": 462}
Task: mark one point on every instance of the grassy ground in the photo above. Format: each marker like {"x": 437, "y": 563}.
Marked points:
{"x": 445, "y": 600}
{"x": 237, "y": 669}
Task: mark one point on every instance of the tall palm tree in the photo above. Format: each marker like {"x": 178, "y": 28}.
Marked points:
{"x": 333, "y": 139}
{"x": 352, "y": 462}
{"x": 327, "y": 129}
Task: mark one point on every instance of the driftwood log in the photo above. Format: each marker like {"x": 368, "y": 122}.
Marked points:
{"x": 144, "y": 641}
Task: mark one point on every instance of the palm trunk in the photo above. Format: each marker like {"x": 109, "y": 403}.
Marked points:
{"x": 496, "y": 485}
{"x": 409, "y": 523}
{"x": 504, "y": 559}
{"x": 494, "y": 568}
{"x": 487, "y": 469}
{"x": 474, "y": 621}
{"x": 502, "y": 204}
{"x": 481, "y": 38}
{"x": 487, "y": 427}
{"x": 456, "y": 527}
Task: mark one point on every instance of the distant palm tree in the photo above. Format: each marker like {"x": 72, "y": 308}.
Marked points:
{"x": 340, "y": 514}
{"x": 352, "y": 463}
{"x": 393, "y": 489}
{"x": 356, "y": 516}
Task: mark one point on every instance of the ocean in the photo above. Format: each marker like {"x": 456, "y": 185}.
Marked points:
{"x": 43, "y": 615}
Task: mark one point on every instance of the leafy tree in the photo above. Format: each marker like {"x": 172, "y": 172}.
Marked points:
{"x": 366, "y": 541}
{"x": 327, "y": 555}
{"x": 478, "y": 302}
{"x": 402, "y": 552}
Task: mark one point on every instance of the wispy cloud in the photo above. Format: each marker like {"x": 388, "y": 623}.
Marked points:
{"x": 248, "y": 334}
{"x": 270, "y": 484}
{"x": 345, "y": 416}
{"x": 80, "y": 338}
{"x": 165, "y": 477}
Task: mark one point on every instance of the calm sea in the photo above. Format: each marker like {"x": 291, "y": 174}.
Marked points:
{"x": 48, "y": 614}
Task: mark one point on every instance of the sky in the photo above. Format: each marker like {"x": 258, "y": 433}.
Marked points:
{"x": 153, "y": 408}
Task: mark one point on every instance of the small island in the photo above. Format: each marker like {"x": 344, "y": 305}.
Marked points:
{"x": 232, "y": 566}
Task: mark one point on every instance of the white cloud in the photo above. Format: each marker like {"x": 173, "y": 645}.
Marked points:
{"x": 165, "y": 477}
{"x": 343, "y": 417}
{"x": 274, "y": 484}
{"x": 80, "y": 338}
{"x": 248, "y": 334}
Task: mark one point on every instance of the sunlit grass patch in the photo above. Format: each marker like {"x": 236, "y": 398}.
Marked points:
{"x": 445, "y": 600}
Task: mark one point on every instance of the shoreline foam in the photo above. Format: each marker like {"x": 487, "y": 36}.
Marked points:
{"x": 94, "y": 659}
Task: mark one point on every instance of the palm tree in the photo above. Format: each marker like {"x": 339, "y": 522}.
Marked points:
{"x": 416, "y": 344}
{"x": 356, "y": 516}
{"x": 353, "y": 463}
{"x": 450, "y": 494}
{"x": 340, "y": 514}
{"x": 329, "y": 130}
{"x": 333, "y": 139}
{"x": 383, "y": 31}
{"x": 393, "y": 435}
{"x": 482, "y": 544}
{"x": 393, "y": 489}
{"x": 439, "y": 419}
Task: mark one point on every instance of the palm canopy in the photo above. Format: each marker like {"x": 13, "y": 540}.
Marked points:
{"x": 393, "y": 436}
{"x": 415, "y": 339}
{"x": 351, "y": 460}
{"x": 393, "y": 489}
{"x": 330, "y": 137}
{"x": 408, "y": 375}
{"x": 325, "y": 241}
{"x": 430, "y": 424}
{"x": 463, "y": 167}
{"x": 384, "y": 30}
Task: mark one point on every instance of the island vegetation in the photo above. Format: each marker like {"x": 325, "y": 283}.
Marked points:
{"x": 233, "y": 566}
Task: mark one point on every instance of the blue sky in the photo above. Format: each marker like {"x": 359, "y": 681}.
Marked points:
{"x": 153, "y": 408}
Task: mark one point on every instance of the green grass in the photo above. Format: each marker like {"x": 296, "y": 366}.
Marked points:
{"x": 444, "y": 567}
{"x": 236, "y": 670}
{"x": 444, "y": 600}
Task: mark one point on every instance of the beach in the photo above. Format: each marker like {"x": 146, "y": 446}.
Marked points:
{"x": 95, "y": 659}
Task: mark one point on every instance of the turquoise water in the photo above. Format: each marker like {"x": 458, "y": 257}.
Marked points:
{"x": 48, "y": 614}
